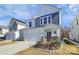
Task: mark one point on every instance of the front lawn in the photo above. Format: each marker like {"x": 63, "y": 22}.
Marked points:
{"x": 65, "y": 50}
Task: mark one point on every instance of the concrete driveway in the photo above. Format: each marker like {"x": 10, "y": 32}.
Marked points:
{"x": 14, "y": 48}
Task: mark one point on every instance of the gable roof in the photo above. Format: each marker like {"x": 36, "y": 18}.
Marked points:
{"x": 45, "y": 9}
{"x": 5, "y": 27}
{"x": 18, "y": 21}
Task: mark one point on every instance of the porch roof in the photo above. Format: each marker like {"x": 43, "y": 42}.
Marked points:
{"x": 47, "y": 27}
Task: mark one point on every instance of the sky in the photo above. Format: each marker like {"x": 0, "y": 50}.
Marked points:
{"x": 26, "y": 11}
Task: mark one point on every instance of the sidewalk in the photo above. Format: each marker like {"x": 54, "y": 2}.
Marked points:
{"x": 14, "y": 48}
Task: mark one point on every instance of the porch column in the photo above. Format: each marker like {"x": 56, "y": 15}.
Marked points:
{"x": 44, "y": 37}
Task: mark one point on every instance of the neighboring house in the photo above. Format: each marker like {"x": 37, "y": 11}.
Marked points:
{"x": 15, "y": 26}
{"x": 45, "y": 24}
{"x": 3, "y": 31}
{"x": 74, "y": 34}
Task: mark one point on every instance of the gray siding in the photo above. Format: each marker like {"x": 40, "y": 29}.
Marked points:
{"x": 37, "y": 22}
{"x": 55, "y": 19}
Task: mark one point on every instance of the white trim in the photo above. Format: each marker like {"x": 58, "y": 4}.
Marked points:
{"x": 60, "y": 18}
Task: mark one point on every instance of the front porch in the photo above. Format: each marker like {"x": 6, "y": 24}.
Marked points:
{"x": 49, "y": 34}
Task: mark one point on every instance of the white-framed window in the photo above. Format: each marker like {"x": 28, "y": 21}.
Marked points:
{"x": 45, "y": 20}
{"x": 49, "y": 19}
{"x": 41, "y": 21}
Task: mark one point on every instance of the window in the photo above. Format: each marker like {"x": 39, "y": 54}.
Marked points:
{"x": 49, "y": 20}
{"x": 14, "y": 26}
{"x": 45, "y": 20}
{"x": 41, "y": 21}
{"x": 55, "y": 32}
{"x": 30, "y": 24}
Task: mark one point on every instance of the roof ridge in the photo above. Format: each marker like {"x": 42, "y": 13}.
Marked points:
{"x": 46, "y": 6}
{"x": 18, "y": 20}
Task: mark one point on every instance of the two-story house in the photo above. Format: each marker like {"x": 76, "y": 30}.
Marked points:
{"x": 15, "y": 27}
{"x": 45, "y": 24}
{"x": 74, "y": 34}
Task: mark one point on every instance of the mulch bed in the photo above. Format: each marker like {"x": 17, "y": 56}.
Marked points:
{"x": 45, "y": 47}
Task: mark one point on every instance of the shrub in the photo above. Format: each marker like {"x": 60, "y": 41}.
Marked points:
{"x": 54, "y": 42}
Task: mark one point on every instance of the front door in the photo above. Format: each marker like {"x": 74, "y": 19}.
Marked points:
{"x": 48, "y": 36}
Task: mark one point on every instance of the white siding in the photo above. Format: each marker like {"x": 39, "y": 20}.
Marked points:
{"x": 5, "y": 31}
{"x": 75, "y": 29}
{"x": 16, "y": 34}
{"x": 33, "y": 35}
{"x": 58, "y": 33}
{"x": 36, "y": 33}
{"x": 20, "y": 27}
{"x": 30, "y": 20}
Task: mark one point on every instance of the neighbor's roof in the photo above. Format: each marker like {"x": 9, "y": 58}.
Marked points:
{"x": 46, "y": 9}
{"x": 18, "y": 21}
{"x": 5, "y": 27}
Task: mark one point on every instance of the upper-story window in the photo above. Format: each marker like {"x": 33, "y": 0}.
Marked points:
{"x": 30, "y": 24}
{"x": 49, "y": 19}
{"x": 45, "y": 20}
{"x": 15, "y": 26}
{"x": 41, "y": 21}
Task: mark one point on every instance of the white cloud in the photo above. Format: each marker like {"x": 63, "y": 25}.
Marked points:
{"x": 21, "y": 14}
{"x": 73, "y": 8}
{"x": 18, "y": 11}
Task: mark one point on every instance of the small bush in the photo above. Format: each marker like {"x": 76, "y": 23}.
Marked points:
{"x": 54, "y": 43}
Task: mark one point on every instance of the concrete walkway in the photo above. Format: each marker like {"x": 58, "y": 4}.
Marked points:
{"x": 14, "y": 48}
{"x": 77, "y": 44}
